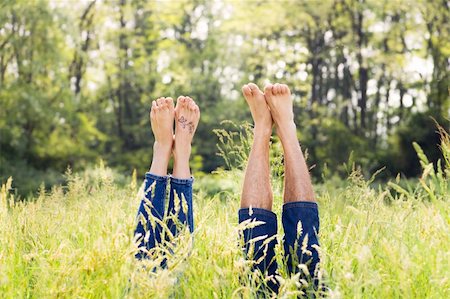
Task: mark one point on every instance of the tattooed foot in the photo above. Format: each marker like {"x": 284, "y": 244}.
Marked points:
{"x": 186, "y": 124}
{"x": 187, "y": 115}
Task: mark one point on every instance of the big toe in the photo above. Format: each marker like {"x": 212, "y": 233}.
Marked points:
{"x": 181, "y": 101}
{"x": 285, "y": 89}
{"x": 254, "y": 88}
{"x": 152, "y": 109}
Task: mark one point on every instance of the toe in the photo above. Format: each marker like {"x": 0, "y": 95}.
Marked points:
{"x": 189, "y": 102}
{"x": 152, "y": 109}
{"x": 180, "y": 101}
{"x": 253, "y": 87}
{"x": 164, "y": 105}
{"x": 169, "y": 102}
{"x": 160, "y": 101}
{"x": 246, "y": 90}
{"x": 268, "y": 90}
{"x": 276, "y": 88}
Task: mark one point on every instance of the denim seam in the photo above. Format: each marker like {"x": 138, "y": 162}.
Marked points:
{"x": 300, "y": 204}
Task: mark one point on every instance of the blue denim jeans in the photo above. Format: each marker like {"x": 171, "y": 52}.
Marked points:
{"x": 151, "y": 214}
{"x": 259, "y": 249}
{"x": 295, "y": 234}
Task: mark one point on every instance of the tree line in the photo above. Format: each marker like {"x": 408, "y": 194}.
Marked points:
{"x": 77, "y": 78}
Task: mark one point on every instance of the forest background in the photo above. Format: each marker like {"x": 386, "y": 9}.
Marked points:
{"x": 77, "y": 79}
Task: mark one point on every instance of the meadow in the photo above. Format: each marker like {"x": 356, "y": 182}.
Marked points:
{"x": 369, "y": 82}
{"x": 76, "y": 241}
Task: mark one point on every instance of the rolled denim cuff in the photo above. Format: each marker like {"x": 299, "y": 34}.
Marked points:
{"x": 188, "y": 181}
{"x": 151, "y": 176}
{"x": 300, "y": 204}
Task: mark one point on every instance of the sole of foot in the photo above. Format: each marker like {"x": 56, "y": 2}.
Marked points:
{"x": 187, "y": 116}
{"x": 162, "y": 115}
{"x": 279, "y": 99}
{"x": 258, "y": 108}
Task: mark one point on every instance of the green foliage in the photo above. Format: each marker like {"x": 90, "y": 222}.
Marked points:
{"x": 332, "y": 146}
{"x": 77, "y": 241}
{"x": 400, "y": 155}
{"x": 76, "y": 83}
{"x": 234, "y": 146}
{"x": 77, "y": 79}
{"x": 433, "y": 184}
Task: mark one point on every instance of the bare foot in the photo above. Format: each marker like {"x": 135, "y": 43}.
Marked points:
{"x": 187, "y": 115}
{"x": 258, "y": 107}
{"x": 279, "y": 100}
{"x": 161, "y": 119}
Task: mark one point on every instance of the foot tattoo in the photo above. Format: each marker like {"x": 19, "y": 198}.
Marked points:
{"x": 184, "y": 123}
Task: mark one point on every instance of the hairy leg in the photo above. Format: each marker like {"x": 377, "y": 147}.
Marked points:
{"x": 256, "y": 191}
{"x": 300, "y": 212}
{"x": 256, "y": 202}
{"x": 297, "y": 181}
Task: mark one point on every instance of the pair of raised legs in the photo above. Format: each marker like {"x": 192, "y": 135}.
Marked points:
{"x": 300, "y": 217}
{"x": 151, "y": 214}
{"x": 300, "y": 214}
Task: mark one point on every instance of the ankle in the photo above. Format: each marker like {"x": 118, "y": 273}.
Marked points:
{"x": 182, "y": 155}
{"x": 287, "y": 130}
{"x": 161, "y": 150}
{"x": 181, "y": 168}
{"x": 263, "y": 132}
{"x": 160, "y": 160}
{"x": 163, "y": 147}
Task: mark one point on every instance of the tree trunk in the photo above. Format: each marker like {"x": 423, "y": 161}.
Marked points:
{"x": 363, "y": 72}
{"x": 376, "y": 109}
{"x": 77, "y": 67}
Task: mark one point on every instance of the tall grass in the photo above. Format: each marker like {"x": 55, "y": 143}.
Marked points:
{"x": 77, "y": 241}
